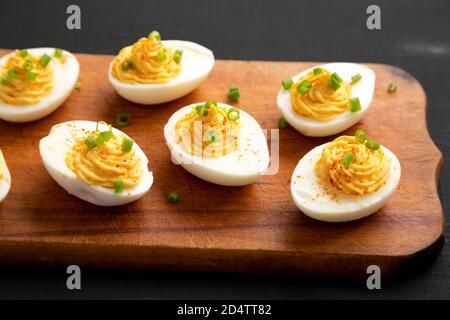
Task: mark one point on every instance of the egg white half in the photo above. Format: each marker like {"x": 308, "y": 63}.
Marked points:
{"x": 196, "y": 64}
{"x": 311, "y": 198}
{"x": 5, "y": 183}
{"x": 64, "y": 79}
{"x": 53, "y": 149}
{"x": 240, "y": 167}
{"x": 364, "y": 90}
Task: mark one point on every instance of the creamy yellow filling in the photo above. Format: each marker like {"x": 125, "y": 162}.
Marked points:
{"x": 367, "y": 173}
{"x": 147, "y": 62}
{"x": 104, "y": 164}
{"x": 321, "y": 102}
{"x": 2, "y": 165}
{"x": 210, "y": 135}
{"x": 24, "y": 80}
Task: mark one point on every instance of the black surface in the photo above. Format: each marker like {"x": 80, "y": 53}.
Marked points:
{"x": 415, "y": 35}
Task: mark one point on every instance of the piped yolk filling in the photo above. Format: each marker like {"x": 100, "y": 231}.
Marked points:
{"x": 2, "y": 165}
{"x": 104, "y": 164}
{"x": 321, "y": 102}
{"x": 146, "y": 62}
{"x": 366, "y": 174}
{"x": 210, "y": 135}
{"x": 24, "y": 80}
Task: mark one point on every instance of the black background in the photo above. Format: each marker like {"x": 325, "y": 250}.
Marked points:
{"x": 415, "y": 35}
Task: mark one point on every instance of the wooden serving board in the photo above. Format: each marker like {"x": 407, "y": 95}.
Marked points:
{"x": 256, "y": 228}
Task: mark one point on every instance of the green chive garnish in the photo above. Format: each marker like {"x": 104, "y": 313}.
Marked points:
{"x": 162, "y": 55}
{"x": 28, "y": 64}
{"x": 356, "y": 78}
{"x": 212, "y": 138}
{"x": 233, "y": 114}
{"x": 355, "y": 105}
{"x": 347, "y": 159}
{"x": 118, "y": 186}
{"x": 317, "y": 71}
{"x": 304, "y": 86}
{"x": 282, "y": 123}
{"x": 372, "y": 145}
{"x": 90, "y": 142}
{"x": 208, "y": 104}
{"x": 360, "y": 136}
{"x": 103, "y": 137}
{"x": 173, "y": 197}
{"x": 123, "y": 119}
{"x": 23, "y": 53}
{"x": 5, "y": 80}
{"x": 177, "y": 56}
{"x": 287, "y": 83}
{"x": 155, "y": 34}
{"x": 31, "y": 76}
{"x": 12, "y": 74}
{"x": 45, "y": 60}
{"x": 58, "y": 53}
{"x": 201, "y": 110}
{"x": 234, "y": 94}
{"x": 127, "y": 144}
{"x": 335, "y": 81}
{"x": 126, "y": 65}
{"x": 392, "y": 87}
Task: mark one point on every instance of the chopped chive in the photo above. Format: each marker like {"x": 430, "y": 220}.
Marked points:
{"x": 45, "y": 60}
{"x": 201, "y": 110}
{"x": 372, "y": 145}
{"x": 233, "y": 114}
{"x": 126, "y": 65}
{"x": 173, "y": 197}
{"x": 12, "y": 74}
{"x": 317, "y": 71}
{"x": 58, "y": 53}
{"x": 347, "y": 159}
{"x": 5, "y": 80}
{"x": 234, "y": 94}
{"x": 31, "y": 76}
{"x": 304, "y": 86}
{"x": 177, "y": 56}
{"x": 90, "y": 142}
{"x": 162, "y": 55}
{"x": 154, "y": 34}
{"x": 127, "y": 144}
{"x": 392, "y": 87}
{"x": 282, "y": 123}
{"x": 212, "y": 138}
{"x": 123, "y": 120}
{"x": 78, "y": 85}
{"x": 356, "y": 78}
{"x": 355, "y": 105}
{"x": 118, "y": 186}
{"x": 360, "y": 136}
{"x": 28, "y": 64}
{"x": 335, "y": 81}
{"x": 287, "y": 83}
{"x": 103, "y": 137}
{"x": 23, "y": 53}
{"x": 210, "y": 103}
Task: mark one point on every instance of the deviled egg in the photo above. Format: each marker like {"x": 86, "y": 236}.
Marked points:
{"x": 217, "y": 143}
{"x": 5, "y": 178}
{"x": 152, "y": 71}
{"x": 327, "y": 99}
{"x": 96, "y": 163}
{"x": 346, "y": 179}
{"x": 35, "y": 82}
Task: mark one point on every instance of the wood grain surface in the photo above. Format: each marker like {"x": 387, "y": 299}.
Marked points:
{"x": 256, "y": 228}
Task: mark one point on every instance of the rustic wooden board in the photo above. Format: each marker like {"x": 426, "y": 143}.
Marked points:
{"x": 256, "y": 228}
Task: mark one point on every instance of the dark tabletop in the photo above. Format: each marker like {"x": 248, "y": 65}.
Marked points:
{"x": 415, "y": 35}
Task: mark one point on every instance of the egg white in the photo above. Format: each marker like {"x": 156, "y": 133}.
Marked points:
{"x": 53, "y": 149}
{"x": 64, "y": 79}
{"x": 196, "y": 64}
{"x": 364, "y": 90}
{"x": 240, "y": 167}
{"x": 310, "y": 197}
{"x": 5, "y": 183}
